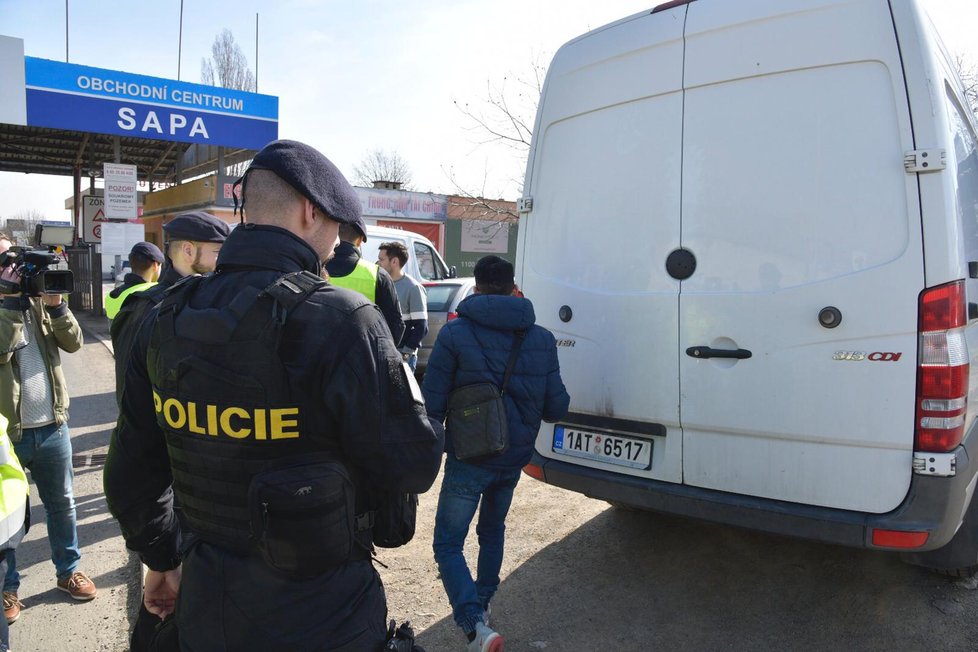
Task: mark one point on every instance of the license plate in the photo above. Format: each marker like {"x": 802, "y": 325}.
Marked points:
{"x": 603, "y": 447}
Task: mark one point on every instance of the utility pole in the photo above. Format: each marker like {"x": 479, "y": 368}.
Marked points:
{"x": 256, "y": 51}
{"x": 179, "y": 41}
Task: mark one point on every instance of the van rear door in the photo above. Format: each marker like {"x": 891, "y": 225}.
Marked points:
{"x": 604, "y": 175}
{"x": 795, "y": 201}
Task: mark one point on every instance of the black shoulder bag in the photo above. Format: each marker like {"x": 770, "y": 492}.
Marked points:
{"x": 476, "y": 419}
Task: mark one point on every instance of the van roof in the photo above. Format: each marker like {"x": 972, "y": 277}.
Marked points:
{"x": 387, "y": 232}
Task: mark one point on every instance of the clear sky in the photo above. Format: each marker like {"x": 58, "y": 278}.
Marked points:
{"x": 351, "y": 75}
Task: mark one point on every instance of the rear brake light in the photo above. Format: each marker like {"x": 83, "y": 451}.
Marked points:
{"x": 451, "y": 316}
{"x": 942, "y": 369}
{"x": 534, "y": 471}
{"x": 943, "y": 307}
{"x": 899, "y": 539}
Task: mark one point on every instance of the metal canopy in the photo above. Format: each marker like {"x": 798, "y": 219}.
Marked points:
{"x": 40, "y": 150}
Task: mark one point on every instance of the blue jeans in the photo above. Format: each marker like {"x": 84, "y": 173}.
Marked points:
{"x": 462, "y": 487}
{"x": 46, "y": 451}
{"x": 412, "y": 361}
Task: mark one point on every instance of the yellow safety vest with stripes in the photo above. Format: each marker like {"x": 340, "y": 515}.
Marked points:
{"x": 114, "y": 304}
{"x": 13, "y": 492}
{"x": 362, "y": 279}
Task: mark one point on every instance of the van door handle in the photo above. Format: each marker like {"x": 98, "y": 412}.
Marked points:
{"x": 707, "y": 352}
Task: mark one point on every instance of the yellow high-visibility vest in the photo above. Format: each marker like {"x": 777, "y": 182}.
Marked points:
{"x": 13, "y": 492}
{"x": 114, "y": 304}
{"x": 362, "y": 279}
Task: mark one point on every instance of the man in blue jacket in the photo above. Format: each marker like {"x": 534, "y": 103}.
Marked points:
{"x": 475, "y": 349}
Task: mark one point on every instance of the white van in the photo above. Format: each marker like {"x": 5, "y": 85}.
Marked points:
{"x": 752, "y": 228}
{"x": 424, "y": 261}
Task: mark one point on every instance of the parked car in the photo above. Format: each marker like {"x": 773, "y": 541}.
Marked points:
{"x": 424, "y": 261}
{"x": 443, "y": 300}
{"x": 120, "y": 275}
{"x": 786, "y": 337}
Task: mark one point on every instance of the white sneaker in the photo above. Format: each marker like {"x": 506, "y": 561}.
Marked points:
{"x": 485, "y": 640}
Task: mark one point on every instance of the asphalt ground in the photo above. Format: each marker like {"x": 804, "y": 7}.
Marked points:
{"x": 577, "y": 575}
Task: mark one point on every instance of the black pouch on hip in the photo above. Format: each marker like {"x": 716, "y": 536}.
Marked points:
{"x": 395, "y": 519}
{"x": 302, "y": 516}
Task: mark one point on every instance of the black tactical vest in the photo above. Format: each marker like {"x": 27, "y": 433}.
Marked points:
{"x": 227, "y": 404}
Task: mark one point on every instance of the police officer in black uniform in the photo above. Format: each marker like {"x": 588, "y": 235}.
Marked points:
{"x": 194, "y": 229}
{"x": 348, "y": 265}
{"x": 190, "y": 239}
{"x": 145, "y": 262}
{"x": 277, "y": 408}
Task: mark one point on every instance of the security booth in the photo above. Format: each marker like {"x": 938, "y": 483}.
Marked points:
{"x": 128, "y": 129}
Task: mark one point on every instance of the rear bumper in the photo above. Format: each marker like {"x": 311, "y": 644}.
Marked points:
{"x": 933, "y": 504}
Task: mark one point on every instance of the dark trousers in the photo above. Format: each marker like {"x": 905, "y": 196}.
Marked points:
{"x": 233, "y": 602}
{"x": 153, "y": 634}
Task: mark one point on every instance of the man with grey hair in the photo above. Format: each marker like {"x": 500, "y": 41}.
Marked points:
{"x": 275, "y": 409}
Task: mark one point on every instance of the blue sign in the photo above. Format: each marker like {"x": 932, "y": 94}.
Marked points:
{"x": 81, "y": 98}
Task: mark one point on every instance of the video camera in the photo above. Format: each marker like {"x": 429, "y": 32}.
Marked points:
{"x": 35, "y": 277}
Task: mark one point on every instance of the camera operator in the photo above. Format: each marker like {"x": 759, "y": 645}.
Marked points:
{"x": 34, "y": 399}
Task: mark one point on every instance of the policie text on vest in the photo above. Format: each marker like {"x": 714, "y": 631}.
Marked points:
{"x": 228, "y": 421}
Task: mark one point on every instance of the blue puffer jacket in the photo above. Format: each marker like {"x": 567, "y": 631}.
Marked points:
{"x": 475, "y": 349}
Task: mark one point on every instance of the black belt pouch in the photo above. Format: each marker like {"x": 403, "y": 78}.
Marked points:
{"x": 302, "y": 517}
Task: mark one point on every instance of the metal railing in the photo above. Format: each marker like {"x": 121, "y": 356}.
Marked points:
{"x": 86, "y": 265}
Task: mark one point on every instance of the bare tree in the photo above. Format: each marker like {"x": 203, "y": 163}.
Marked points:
{"x": 23, "y": 223}
{"x": 968, "y": 72}
{"x": 506, "y": 113}
{"x": 475, "y": 205}
{"x": 504, "y": 116}
{"x": 379, "y": 165}
{"x": 228, "y": 66}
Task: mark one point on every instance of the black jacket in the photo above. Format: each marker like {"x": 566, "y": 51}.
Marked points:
{"x": 126, "y": 323}
{"x": 345, "y": 258}
{"x": 375, "y": 415}
{"x": 390, "y": 448}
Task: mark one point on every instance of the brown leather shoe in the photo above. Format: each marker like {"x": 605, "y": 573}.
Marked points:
{"x": 78, "y": 586}
{"x": 11, "y": 606}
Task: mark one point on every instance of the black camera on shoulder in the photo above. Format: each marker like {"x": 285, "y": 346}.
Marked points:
{"x": 35, "y": 277}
